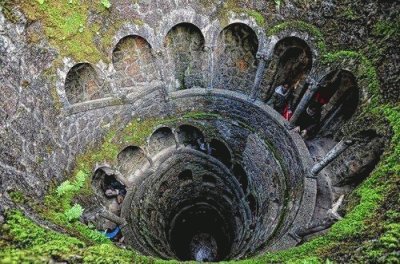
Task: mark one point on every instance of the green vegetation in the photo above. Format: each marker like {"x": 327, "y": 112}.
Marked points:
{"x": 64, "y": 24}
{"x": 17, "y": 197}
{"x": 231, "y": 6}
{"x": 67, "y": 27}
{"x": 371, "y": 193}
{"x": 90, "y": 246}
{"x": 58, "y": 206}
{"x": 350, "y": 14}
{"x": 74, "y": 213}
{"x": 363, "y": 220}
{"x": 301, "y": 26}
{"x": 106, "y": 3}
{"x": 386, "y": 29}
{"x": 68, "y": 188}
{"x": 366, "y": 71}
{"x": 258, "y": 17}
{"x": 34, "y": 244}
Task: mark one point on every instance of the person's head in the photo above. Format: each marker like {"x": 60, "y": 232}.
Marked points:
{"x": 285, "y": 86}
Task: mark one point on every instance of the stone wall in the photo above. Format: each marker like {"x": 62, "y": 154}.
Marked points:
{"x": 54, "y": 108}
{"x": 134, "y": 63}
{"x": 82, "y": 84}
{"x": 235, "y": 57}
{"x": 186, "y": 56}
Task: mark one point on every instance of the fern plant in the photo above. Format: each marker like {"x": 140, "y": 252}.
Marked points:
{"x": 68, "y": 187}
{"x": 80, "y": 179}
{"x": 65, "y": 187}
{"x": 74, "y": 213}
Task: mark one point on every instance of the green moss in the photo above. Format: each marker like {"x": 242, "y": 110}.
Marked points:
{"x": 17, "y": 197}
{"x": 34, "y": 244}
{"x": 350, "y": 14}
{"x": 372, "y": 192}
{"x": 301, "y": 26}
{"x": 258, "y": 17}
{"x": 386, "y": 29}
{"x": 66, "y": 25}
{"x": 60, "y": 199}
{"x": 231, "y": 6}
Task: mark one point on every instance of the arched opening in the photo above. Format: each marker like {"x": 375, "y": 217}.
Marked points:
{"x": 111, "y": 193}
{"x": 185, "y": 48}
{"x": 185, "y": 175}
{"x": 130, "y": 159}
{"x": 291, "y": 62}
{"x": 334, "y": 102}
{"x": 252, "y": 204}
{"x": 241, "y": 176}
{"x": 106, "y": 184}
{"x": 133, "y": 62}
{"x": 221, "y": 152}
{"x": 358, "y": 161}
{"x": 236, "y": 63}
{"x": 192, "y": 137}
{"x": 82, "y": 84}
{"x": 161, "y": 139}
{"x": 338, "y": 96}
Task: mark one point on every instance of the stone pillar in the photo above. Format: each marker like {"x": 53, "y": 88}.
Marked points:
{"x": 210, "y": 58}
{"x": 263, "y": 61}
{"x": 331, "y": 155}
{"x": 113, "y": 218}
{"x": 303, "y": 103}
{"x": 157, "y": 54}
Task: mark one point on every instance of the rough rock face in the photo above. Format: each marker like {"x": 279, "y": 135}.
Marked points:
{"x": 59, "y": 99}
{"x": 28, "y": 97}
{"x": 29, "y": 122}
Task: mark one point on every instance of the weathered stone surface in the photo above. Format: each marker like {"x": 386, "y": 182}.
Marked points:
{"x": 54, "y": 108}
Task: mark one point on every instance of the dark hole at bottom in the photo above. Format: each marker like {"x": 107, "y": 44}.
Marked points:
{"x": 200, "y": 233}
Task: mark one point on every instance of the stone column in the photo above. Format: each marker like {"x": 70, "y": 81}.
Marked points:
{"x": 331, "y": 155}
{"x": 210, "y": 58}
{"x": 263, "y": 61}
{"x": 113, "y": 218}
{"x": 303, "y": 103}
{"x": 158, "y": 55}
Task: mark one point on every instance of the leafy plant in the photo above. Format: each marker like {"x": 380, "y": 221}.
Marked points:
{"x": 80, "y": 179}
{"x": 41, "y": 2}
{"x": 74, "y": 213}
{"x": 65, "y": 187}
{"x": 106, "y": 3}
{"x": 70, "y": 188}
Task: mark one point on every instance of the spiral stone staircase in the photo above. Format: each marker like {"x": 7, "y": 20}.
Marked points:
{"x": 221, "y": 175}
